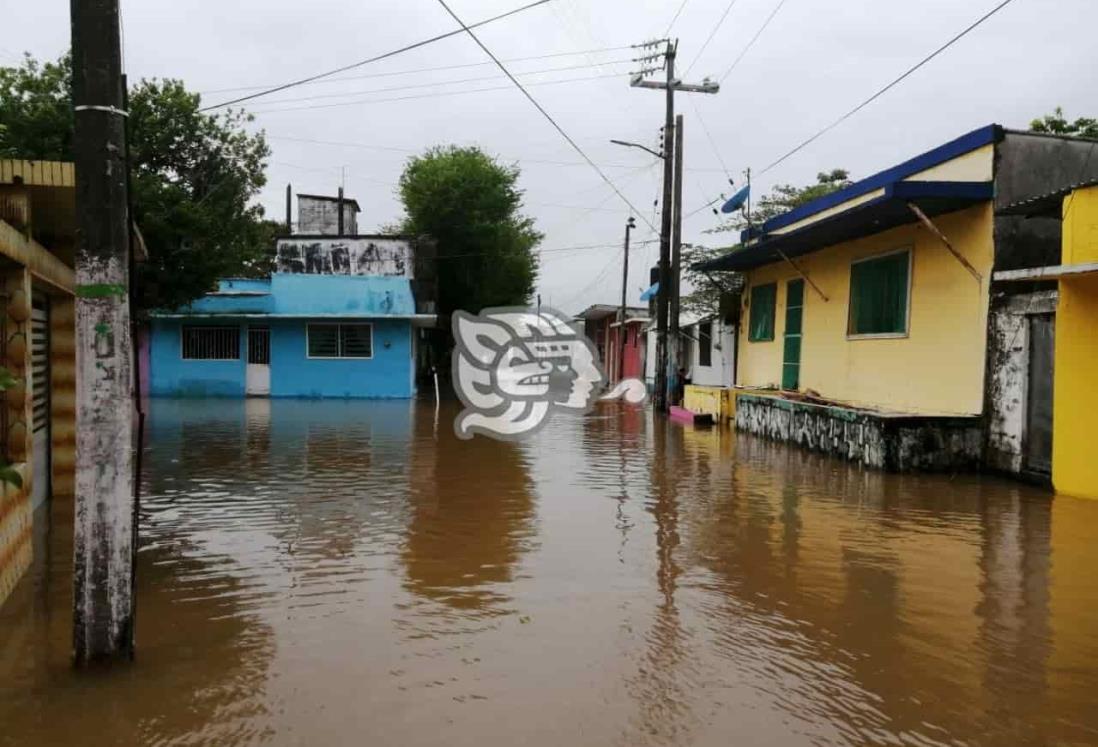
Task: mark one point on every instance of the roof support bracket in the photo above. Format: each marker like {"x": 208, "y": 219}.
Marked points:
{"x": 945, "y": 241}
{"x": 802, "y": 273}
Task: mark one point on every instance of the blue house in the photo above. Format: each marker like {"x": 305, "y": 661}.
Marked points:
{"x": 339, "y": 318}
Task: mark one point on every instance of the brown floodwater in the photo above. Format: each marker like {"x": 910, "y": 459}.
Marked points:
{"x": 330, "y": 573}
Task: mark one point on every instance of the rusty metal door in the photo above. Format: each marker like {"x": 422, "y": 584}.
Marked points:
{"x": 1038, "y": 446}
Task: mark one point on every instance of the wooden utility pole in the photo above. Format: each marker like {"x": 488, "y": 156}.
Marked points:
{"x": 629, "y": 226}
{"x": 665, "y": 274}
{"x": 103, "y": 543}
{"x": 676, "y": 256}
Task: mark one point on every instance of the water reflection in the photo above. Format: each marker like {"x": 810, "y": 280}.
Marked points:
{"x": 311, "y": 572}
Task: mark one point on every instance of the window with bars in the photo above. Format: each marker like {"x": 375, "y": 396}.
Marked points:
{"x": 211, "y": 343}
{"x": 340, "y": 340}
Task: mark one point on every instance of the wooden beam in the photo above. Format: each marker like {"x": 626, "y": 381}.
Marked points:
{"x": 36, "y": 258}
{"x": 942, "y": 238}
{"x": 802, "y": 273}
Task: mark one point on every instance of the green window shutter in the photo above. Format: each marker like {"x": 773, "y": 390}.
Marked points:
{"x": 761, "y": 324}
{"x": 878, "y": 295}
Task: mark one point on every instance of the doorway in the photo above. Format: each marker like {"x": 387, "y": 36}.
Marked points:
{"x": 258, "y": 374}
{"x": 794, "y": 323}
{"x": 1038, "y": 440}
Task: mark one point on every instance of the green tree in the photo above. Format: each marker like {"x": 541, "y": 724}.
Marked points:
{"x": 706, "y": 288}
{"x": 1057, "y": 124}
{"x": 194, "y": 175}
{"x": 470, "y": 204}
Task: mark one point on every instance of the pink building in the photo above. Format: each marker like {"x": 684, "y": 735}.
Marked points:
{"x": 602, "y": 326}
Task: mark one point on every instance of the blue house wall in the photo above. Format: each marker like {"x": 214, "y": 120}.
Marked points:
{"x": 390, "y": 373}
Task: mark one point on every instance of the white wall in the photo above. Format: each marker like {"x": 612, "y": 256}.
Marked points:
{"x": 719, "y": 373}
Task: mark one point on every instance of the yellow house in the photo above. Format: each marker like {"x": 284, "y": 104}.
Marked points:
{"x": 872, "y": 318}
{"x": 1075, "y": 396}
{"x": 37, "y": 417}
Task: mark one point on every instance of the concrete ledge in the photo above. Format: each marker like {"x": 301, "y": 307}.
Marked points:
{"x": 898, "y": 442}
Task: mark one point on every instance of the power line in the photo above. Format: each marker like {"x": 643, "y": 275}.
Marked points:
{"x": 709, "y": 38}
{"x": 754, "y": 39}
{"x": 457, "y": 81}
{"x": 675, "y": 17}
{"x": 369, "y": 60}
{"x": 437, "y": 68}
{"x": 891, "y": 85}
{"x": 546, "y": 114}
{"x": 435, "y": 94}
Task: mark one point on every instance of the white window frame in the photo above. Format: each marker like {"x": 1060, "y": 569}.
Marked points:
{"x": 339, "y": 338}
{"x": 183, "y": 349}
{"x": 910, "y": 249}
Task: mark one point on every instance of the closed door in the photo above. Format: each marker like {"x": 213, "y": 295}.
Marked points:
{"x": 794, "y": 323}
{"x": 40, "y": 397}
{"x": 1038, "y": 443}
{"x": 258, "y": 377}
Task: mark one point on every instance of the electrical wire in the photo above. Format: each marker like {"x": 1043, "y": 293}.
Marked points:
{"x": 457, "y": 81}
{"x": 675, "y": 17}
{"x": 712, "y": 33}
{"x": 368, "y": 60}
{"x": 540, "y": 108}
{"x": 754, "y": 39}
{"x": 436, "y": 94}
{"x": 438, "y": 68}
{"x": 891, "y": 85}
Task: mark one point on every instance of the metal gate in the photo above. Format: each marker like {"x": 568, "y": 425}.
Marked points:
{"x": 258, "y": 372}
{"x": 40, "y": 394}
{"x": 1038, "y": 442}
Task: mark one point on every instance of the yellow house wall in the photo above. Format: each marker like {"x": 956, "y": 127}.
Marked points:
{"x": 1075, "y": 397}
{"x": 709, "y": 400}
{"x": 937, "y": 368}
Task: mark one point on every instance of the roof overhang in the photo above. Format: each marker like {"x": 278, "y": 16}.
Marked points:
{"x": 417, "y": 320}
{"x": 1049, "y": 205}
{"x": 888, "y": 210}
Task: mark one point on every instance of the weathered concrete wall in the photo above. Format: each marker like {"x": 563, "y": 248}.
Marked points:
{"x": 1029, "y": 165}
{"x": 321, "y": 216}
{"x": 1008, "y": 375}
{"x": 358, "y": 255}
{"x": 872, "y": 439}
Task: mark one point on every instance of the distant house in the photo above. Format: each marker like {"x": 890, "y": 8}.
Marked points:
{"x": 878, "y": 324}
{"x": 341, "y": 316}
{"x": 603, "y": 326}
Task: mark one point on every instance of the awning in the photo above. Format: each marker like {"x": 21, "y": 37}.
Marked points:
{"x": 649, "y": 294}
{"x": 1047, "y": 205}
{"x": 888, "y": 210}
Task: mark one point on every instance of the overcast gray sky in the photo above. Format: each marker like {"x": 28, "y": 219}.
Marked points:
{"x": 816, "y": 60}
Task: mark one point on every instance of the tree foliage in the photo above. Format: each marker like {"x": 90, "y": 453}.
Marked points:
{"x": 706, "y": 288}
{"x": 1057, "y": 124}
{"x": 470, "y": 204}
{"x": 194, "y": 175}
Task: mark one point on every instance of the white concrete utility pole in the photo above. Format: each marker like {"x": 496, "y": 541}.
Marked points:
{"x": 667, "y": 285}
{"x": 103, "y": 545}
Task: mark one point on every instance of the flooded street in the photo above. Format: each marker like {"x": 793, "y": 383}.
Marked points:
{"x": 328, "y": 572}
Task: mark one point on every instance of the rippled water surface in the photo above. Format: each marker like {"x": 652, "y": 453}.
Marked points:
{"x": 329, "y": 573}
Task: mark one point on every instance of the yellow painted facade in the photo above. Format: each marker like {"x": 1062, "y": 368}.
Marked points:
{"x": 710, "y": 400}
{"x": 937, "y": 368}
{"x": 1075, "y": 395}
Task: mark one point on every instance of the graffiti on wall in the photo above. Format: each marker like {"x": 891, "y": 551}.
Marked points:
{"x": 345, "y": 256}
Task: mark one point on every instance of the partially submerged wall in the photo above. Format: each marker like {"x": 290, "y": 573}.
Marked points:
{"x": 873, "y": 439}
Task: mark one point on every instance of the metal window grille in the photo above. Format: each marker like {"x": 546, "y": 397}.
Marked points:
{"x": 354, "y": 341}
{"x": 340, "y": 340}
{"x": 40, "y": 366}
{"x": 259, "y": 345}
{"x": 211, "y": 343}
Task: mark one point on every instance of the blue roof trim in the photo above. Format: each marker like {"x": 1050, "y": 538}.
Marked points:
{"x": 992, "y": 133}
{"x": 873, "y": 216}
